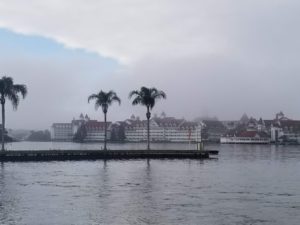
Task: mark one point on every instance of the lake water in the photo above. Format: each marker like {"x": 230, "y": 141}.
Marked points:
{"x": 245, "y": 185}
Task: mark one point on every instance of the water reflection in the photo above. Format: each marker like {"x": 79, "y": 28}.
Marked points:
{"x": 8, "y": 200}
{"x": 246, "y": 185}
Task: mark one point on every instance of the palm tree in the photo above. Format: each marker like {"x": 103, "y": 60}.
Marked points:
{"x": 10, "y": 91}
{"x": 147, "y": 97}
{"x": 104, "y": 99}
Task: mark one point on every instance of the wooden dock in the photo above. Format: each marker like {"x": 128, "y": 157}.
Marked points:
{"x": 64, "y": 155}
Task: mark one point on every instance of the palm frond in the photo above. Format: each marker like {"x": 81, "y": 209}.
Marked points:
{"x": 104, "y": 99}
{"x": 145, "y": 90}
{"x": 97, "y": 104}
{"x": 159, "y": 95}
{"x": 110, "y": 94}
{"x": 151, "y": 103}
{"x": 146, "y": 96}
{"x": 132, "y": 93}
{"x": 92, "y": 97}
{"x": 11, "y": 91}
{"x": 18, "y": 88}
{"x": 137, "y": 100}
{"x": 116, "y": 99}
{"x": 14, "y": 98}
{"x": 6, "y": 84}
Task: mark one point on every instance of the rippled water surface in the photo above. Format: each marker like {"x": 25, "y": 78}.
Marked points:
{"x": 245, "y": 185}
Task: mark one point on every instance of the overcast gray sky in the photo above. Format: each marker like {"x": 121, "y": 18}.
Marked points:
{"x": 218, "y": 58}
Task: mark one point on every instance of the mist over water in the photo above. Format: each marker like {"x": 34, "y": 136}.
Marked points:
{"x": 247, "y": 184}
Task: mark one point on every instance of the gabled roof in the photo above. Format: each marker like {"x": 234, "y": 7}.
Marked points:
{"x": 168, "y": 122}
{"x": 188, "y": 125}
{"x": 61, "y": 124}
{"x": 260, "y": 121}
{"x": 290, "y": 123}
{"x": 214, "y": 125}
{"x": 246, "y": 134}
{"x": 135, "y": 123}
{"x": 268, "y": 123}
{"x": 96, "y": 125}
{"x": 252, "y": 134}
{"x": 244, "y": 118}
{"x": 252, "y": 120}
{"x": 294, "y": 124}
{"x": 120, "y": 123}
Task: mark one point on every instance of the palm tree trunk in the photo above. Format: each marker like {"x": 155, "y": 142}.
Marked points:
{"x": 105, "y": 131}
{"x": 148, "y": 115}
{"x": 3, "y": 123}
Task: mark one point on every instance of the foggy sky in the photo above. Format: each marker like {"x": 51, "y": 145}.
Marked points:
{"x": 217, "y": 58}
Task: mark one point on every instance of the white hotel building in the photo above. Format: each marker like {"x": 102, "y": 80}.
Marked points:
{"x": 166, "y": 129}
{"x": 62, "y": 132}
{"x": 95, "y": 131}
{"x": 66, "y": 131}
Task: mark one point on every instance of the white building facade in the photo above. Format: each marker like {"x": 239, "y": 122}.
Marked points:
{"x": 62, "y": 132}
{"x": 286, "y": 131}
{"x": 163, "y": 130}
{"x": 94, "y": 130}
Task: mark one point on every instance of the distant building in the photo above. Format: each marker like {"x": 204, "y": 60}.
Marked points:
{"x": 213, "y": 130}
{"x": 247, "y": 131}
{"x": 169, "y": 129}
{"x": 66, "y": 131}
{"x": 281, "y": 130}
{"x": 284, "y": 130}
{"x": 163, "y": 129}
{"x": 244, "y": 119}
{"x": 62, "y": 132}
{"x": 246, "y": 137}
{"x": 118, "y": 131}
{"x": 230, "y": 124}
{"x": 95, "y": 130}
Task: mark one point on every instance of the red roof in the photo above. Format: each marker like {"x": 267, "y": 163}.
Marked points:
{"x": 93, "y": 124}
{"x": 168, "y": 122}
{"x": 290, "y": 123}
{"x": 188, "y": 125}
{"x": 250, "y": 134}
{"x": 136, "y": 123}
